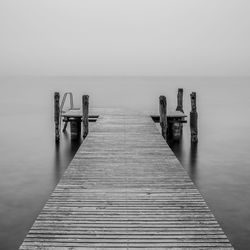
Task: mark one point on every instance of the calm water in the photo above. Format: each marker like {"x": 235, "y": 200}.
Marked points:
{"x": 31, "y": 164}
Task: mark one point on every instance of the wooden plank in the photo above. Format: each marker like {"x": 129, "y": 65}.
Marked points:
{"x": 125, "y": 189}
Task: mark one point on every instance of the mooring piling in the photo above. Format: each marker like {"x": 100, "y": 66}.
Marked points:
{"x": 65, "y": 125}
{"x": 178, "y": 127}
{"x": 85, "y": 115}
{"x": 163, "y": 115}
{"x": 180, "y": 100}
{"x": 193, "y": 118}
{"x": 57, "y": 115}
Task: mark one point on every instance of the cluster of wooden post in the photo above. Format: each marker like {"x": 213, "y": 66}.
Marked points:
{"x": 193, "y": 115}
{"x": 75, "y": 124}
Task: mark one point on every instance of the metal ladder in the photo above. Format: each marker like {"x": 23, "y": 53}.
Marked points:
{"x": 71, "y": 100}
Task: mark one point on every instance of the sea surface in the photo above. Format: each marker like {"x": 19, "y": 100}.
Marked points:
{"x": 31, "y": 164}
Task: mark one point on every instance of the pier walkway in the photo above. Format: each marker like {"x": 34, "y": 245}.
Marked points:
{"x": 125, "y": 189}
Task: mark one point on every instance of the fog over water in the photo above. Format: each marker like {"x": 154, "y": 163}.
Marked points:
{"x": 31, "y": 164}
{"x": 120, "y": 53}
{"x": 125, "y": 37}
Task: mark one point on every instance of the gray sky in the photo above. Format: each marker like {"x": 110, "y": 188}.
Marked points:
{"x": 125, "y": 37}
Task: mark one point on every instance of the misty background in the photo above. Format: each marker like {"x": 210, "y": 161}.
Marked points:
{"x": 125, "y": 37}
{"x": 124, "y": 53}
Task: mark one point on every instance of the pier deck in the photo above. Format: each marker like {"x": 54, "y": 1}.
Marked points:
{"x": 125, "y": 189}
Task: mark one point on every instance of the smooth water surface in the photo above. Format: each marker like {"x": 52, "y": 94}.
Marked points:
{"x": 31, "y": 164}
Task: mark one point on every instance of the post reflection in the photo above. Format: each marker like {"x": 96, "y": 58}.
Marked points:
{"x": 193, "y": 161}
{"x": 64, "y": 153}
{"x": 177, "y": 148}
{"x": 57, "y": 162}
{"x": 189, "y": 161}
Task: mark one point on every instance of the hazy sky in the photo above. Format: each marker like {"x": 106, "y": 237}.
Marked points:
{"x": 125, "y": 37}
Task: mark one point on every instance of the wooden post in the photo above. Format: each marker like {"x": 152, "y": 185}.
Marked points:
{"x": 57, "y": 115}
{"x": 85, "y": 115}
{"x": 163, "y": 115}
{"x": 180, "y": 106}
{"x": 193, "y": 118}
{"x": 180, "y": 100}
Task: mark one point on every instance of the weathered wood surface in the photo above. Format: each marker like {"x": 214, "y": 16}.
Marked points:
{"x": 180, "y": 101}
{"x": 163, "y": 115}
{"x": 193, "y": 118}
{"x": 125, "y": 189}
{"x": 57, "y": 115}
{"x": 85, "y": 115}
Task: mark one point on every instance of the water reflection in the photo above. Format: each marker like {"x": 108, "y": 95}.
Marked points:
{"x": 57, "y": 162}
{"x": 189, "y": 161}
{"x": 64, "y": 152}
{"x": 193, "y": 160}
{"x": 31, "y": 165}
{"x": 177, "y": 148}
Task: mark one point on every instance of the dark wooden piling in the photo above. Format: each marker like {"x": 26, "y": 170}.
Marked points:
{"x": 57, "y": 115}
{"x": 193, "y": 118}
{"x": 85, "y": 115}
{"x": 179, "y": 108}
{"x": 163, "y": 115}
{"x": 180, "y": 100}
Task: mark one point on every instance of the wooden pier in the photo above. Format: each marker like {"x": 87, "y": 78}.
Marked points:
{"x": 125, "y": 189}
